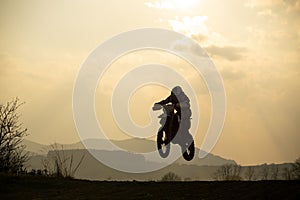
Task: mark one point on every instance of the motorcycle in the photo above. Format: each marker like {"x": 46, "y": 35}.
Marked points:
{"x": 171, "y": 132}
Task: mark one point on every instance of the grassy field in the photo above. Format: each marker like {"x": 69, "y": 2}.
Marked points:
{"x": 35, "y": 187}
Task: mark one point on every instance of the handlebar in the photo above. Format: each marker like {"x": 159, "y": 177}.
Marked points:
{"x": 159, "y": 106}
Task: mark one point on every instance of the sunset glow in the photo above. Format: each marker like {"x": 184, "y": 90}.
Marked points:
{"x": 255, "y": 46}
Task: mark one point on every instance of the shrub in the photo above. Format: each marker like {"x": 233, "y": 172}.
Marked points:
{"x": 170, "y": 176}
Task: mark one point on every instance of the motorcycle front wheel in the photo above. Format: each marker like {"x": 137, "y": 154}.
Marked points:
{"x": 163, "y": 145}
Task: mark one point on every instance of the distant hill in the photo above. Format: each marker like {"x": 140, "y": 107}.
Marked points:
{"x": 42, "y": 149}
{"x": 135, "y": 145}
{"x": 91, "y": 168}
{"x": 131, "y": 145}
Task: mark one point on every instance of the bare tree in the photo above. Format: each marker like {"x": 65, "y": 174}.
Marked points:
{"x": 228, "y": 172}
{"x": 274, "y": 172}
{"x": 64, "y": 165}
{"x": 47, "y": 166}
{"x": 171, "y": 176}
{"x": 265, "y": 172}
{"x": 12, "y": 154}
{"x": 296, "y": 169}
{"x": 249, "y": 173}
{"x": 287, "y": 173}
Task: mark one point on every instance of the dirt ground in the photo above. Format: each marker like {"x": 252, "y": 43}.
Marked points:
{"x": 34, "y": 187}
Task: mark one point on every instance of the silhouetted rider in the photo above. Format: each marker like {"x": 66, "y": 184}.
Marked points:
{"x": 182, "y": 105}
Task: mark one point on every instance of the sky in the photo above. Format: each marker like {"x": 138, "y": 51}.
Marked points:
{"x": 254, "y": 44}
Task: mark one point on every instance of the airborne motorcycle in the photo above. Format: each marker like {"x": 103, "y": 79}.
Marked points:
{"x": 170, "y": 132}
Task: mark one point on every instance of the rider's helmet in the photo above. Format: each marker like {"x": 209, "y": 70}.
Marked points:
{"x": 176, "y": 90}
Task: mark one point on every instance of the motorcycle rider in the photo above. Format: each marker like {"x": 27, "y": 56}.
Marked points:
{"x": 181, "y": 104}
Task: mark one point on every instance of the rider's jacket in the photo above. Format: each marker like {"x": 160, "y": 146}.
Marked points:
{"x": 181, "y": 104}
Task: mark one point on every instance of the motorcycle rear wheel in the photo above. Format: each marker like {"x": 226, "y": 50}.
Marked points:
{"x": 188, "y": 149}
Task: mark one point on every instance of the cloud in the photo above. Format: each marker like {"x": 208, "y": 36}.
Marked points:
{"x": 190, "y": 26}
{"x": 160, "y": 5}
{"x": 184, "y": 45}
{"x": 195, "y": 27}
{"x": 288, "y": 5}
{"x": 199, "y": 37}
{"x": 171, "y": 4}
{"x": 262, "y": 3}
{"x": 293, "y": 5}
{"x": 232, "y": 74}
{"x": 266, "y": 13}
{"x": 230, "y": 53}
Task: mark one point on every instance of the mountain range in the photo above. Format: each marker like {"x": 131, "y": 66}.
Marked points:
{"x": 130, "y": 145}
{"x": 92, "y": 169}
